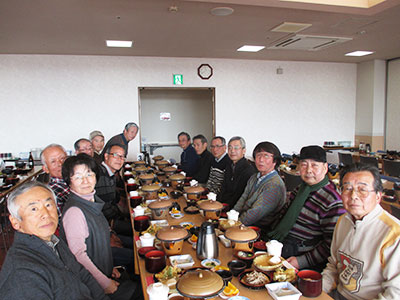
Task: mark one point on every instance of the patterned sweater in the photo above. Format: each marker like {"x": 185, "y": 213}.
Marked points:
{"x": 261, "y": 200}
{"x": 217, "y": 172}
{"x": 315, "y": 224}
{"x": 365, "y": 257}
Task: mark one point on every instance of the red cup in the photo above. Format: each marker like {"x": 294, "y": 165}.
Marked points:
{"x": 141, "y": 223}
{"x": 309, "y": 283}
{"x": 135, "y": 201}
{"x": 132, "y": 187}
{"x": 155, "y": 261}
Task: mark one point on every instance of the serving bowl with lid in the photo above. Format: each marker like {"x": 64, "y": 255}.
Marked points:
{"x": 160, "y": 209}
{"x": 172, "y": 238}
{"x": 242, "y": 237}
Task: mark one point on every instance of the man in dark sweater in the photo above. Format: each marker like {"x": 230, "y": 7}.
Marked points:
{"x": 218, "y": 164}
{"x": 204, "y": 162}
{"x": 107, "y": 190}
{"x": 39, "y": 265}
{"x": 189, "y": 156}
{"x": 237, "y": 173}
{"x": 130, "y": 131}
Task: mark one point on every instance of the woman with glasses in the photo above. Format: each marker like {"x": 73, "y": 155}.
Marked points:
{"x": 86, "y": 230}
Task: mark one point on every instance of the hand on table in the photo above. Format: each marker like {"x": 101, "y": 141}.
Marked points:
{"x": 293, "y": 261}
{"x": 112, "y": 287}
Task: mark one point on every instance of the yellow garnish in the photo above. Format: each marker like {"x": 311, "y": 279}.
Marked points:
{"x": 230, "y": 290}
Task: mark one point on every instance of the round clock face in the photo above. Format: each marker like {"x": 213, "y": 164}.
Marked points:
{"x": 205, "y": 71}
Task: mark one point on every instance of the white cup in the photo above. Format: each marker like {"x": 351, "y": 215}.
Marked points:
{"x": 147, "y": 240}
{"x": 274, "y": 248}
{"x": 157, "y": 291}
{"x": 233, "y": 215}
{"x": 139, "y": 211}
{"x": 133, "y": 193}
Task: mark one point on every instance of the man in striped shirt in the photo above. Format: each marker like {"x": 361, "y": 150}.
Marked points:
{"x": 306, "y": 228}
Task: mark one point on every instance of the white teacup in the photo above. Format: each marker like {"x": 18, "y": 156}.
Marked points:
{"x": 274, "y": 248}
{"x": 147, "y": 240}
{"x": 139, "y": 211}
{"x": 233, "y": 215}
{"x": 158, "y": 291}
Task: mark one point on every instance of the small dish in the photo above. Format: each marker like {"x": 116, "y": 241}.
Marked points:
{"x": 258, "y": 286}
{"x": 283, "y": 290}
{"x": 182, "y": 261}
{"x": 223, "y": 296}
{"x": 260, "y": 246}
{"x": 191, "y": 210}
{"x": 187, "y": 225}
{"x": 142, "y": 251}
{"x": 177, "y": 215}
{"x": 238, "y": 298}
{"x": 210, "y": 263}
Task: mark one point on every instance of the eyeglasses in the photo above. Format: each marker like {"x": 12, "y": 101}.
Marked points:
{"x": 216, "y": 146}
{"x": 80, "y": 177}
{"x": 116, "y": 155}
{"x": 261, "y": 155}
{"x": 360, "y": 190}
{"x": 234, "y": 147}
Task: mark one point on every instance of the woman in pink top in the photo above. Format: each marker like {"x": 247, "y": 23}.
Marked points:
{"x": 85, "y": 228}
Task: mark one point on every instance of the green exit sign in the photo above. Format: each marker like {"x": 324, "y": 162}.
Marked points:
{"x": 177, "y": 79}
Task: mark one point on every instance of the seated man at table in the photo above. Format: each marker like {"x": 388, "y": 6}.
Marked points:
{"x": 107, "y": 190}
{"x": 314, "y": 207}
{"x": 218, "y": 164}
{"x": 97, "y": 140}
{"x": 237, "y": 173}
{"x": 52, "y": 158}
{"x": 204, "y": 162}
{"x": 130, "y": 131}
{"x": 365, "y": 250}
{"x": 84, "y": 146}
{"x": 189, "y": 156}
{"x": 265, "y": 192}
{"x": 39, "y": 265}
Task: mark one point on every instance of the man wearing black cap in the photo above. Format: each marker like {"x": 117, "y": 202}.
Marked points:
{"x": 306, "y": 228}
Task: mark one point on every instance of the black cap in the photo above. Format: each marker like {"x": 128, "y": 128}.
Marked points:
{"x": 316, "y": 153}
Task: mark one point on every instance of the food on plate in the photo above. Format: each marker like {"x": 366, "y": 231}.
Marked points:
{"x": 192, "y": 209}
{"x": 225, "y": 224}
{"x": 168, "y": 275}
{"x": 175, "y": 211}
{"x": 193, "y": 238}
{"x": 281, "y": 274}
{"x": 210, "y": 264}
{"x": 263, "y": 262}
{"x": 153, "y": 228}
{"x": 285, "y": 292}
{"x": 216, "y": 268}
{"x": 255, "y": 278}
{"x": 245, "y": 254}
{"x": 187, "y": 226}
{"x": 230, "y": 290}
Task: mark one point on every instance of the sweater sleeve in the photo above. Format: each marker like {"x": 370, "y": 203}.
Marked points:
{"x": 390, "y": 272}
{"x": 76, "y": 232}
{"x": 240, "y": 203}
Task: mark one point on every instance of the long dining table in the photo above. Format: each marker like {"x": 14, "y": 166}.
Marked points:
{"x": 225, "y": 255}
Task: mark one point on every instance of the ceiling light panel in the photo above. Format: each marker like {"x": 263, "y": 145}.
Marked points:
{"x": 123, "y": 44}
{"x": 359, "y": 53}
{"x": 250, "y": 48}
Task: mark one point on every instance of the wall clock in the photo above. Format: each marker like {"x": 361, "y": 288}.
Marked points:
{"x": 205, "y": 71}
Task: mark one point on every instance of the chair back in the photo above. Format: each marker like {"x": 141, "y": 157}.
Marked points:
{"x": 370, "y": 160}
{"x": 395, "y": 211}
{"x": 291, "y": 180}
{"x": 345, "y": 159}
{"x": 391, "y": 167}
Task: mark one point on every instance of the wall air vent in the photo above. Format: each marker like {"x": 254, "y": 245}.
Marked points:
{"x": 308, "y": 42}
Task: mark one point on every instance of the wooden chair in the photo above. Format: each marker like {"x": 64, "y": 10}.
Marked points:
{"x": 345, "y": 159}
{"x": 396, "y": 212}
{"x": 291, "y": 180}
{"x": 391, "y": 168}
{"x": 370, "y": 160}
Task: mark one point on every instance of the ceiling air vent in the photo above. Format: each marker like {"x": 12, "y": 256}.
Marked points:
{"x": 308, "y": 42}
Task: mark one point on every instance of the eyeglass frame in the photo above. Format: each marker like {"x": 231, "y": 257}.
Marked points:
{"x": 357, "y": 190}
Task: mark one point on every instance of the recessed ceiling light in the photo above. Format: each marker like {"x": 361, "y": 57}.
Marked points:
{"x": 359, "y": 53}
{"x": 124, "y": 44}
{"x": 221, "y": 11}
{"x": 248, "y": 48}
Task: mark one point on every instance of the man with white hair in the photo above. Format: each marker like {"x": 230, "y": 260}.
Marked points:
{"x": 130, "y": 131}
{"x": 39, "y": 265}
{"x": 84, "y": 146}
{"x": 53, "y": 157}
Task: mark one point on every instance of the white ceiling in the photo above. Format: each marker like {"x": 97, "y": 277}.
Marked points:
{"x": 80, "y": 27}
